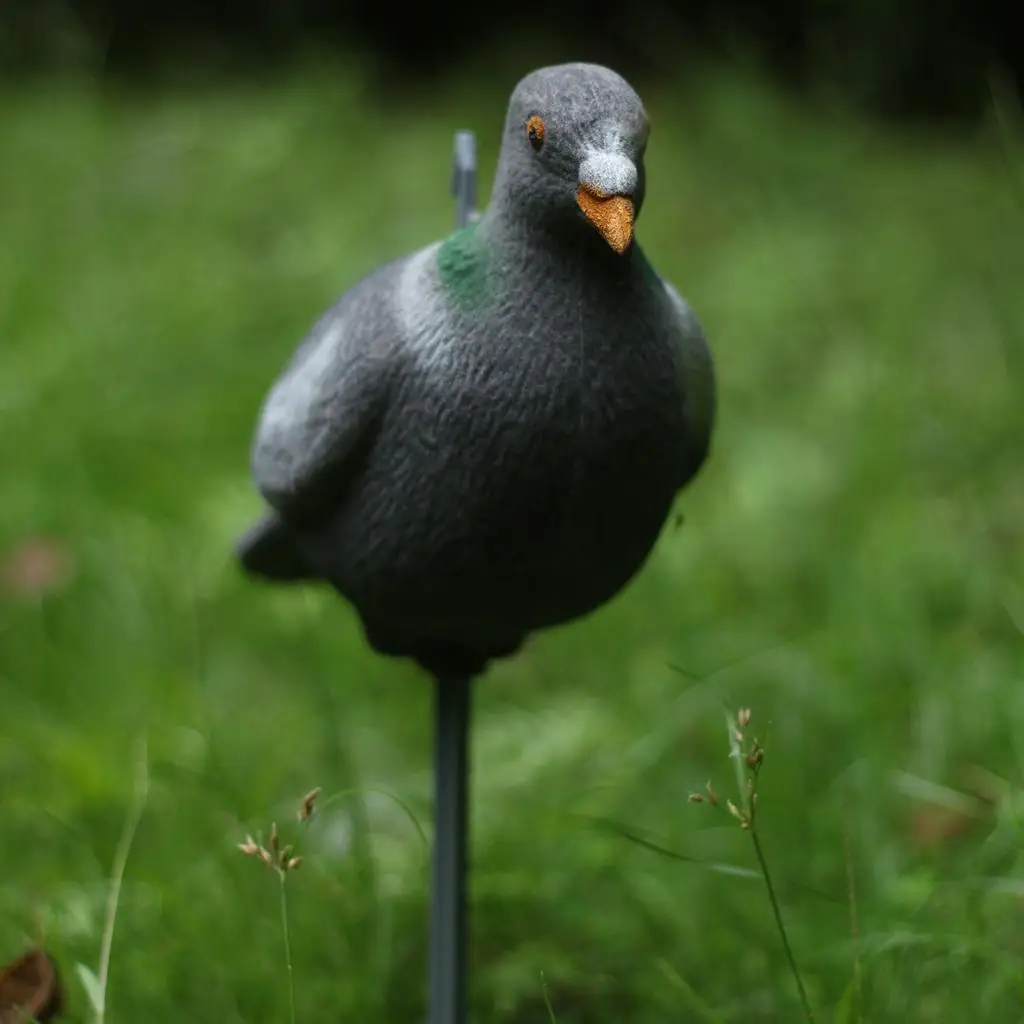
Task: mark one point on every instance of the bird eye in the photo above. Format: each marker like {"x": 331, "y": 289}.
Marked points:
{"x": 535, "y": 131}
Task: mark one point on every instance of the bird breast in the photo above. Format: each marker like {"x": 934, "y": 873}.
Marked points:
{"x": 529, "y": 449}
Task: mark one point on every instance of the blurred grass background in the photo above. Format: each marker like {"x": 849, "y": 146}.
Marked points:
{"x": 850, "y": 567}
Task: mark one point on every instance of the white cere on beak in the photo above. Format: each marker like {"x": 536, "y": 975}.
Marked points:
{"x": 609, "y": 173}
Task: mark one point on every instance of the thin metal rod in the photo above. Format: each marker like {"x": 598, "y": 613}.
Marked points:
{"x": 464, "y": 178}
{"x": 448, "y": 917}
{"x": 452, "y": 702}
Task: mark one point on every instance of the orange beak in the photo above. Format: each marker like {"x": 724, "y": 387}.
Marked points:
{"x": 612, "y": 215}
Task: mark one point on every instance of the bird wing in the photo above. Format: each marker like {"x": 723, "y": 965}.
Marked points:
{"x": 688, "y": 319}
{"x": 697, "y": 373}
{"x": 324, "y": 412}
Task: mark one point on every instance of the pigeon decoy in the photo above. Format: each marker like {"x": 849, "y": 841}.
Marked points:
{"x": 484, "y": 438}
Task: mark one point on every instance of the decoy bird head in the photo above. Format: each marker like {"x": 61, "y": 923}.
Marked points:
{"x": 573, "y": 151}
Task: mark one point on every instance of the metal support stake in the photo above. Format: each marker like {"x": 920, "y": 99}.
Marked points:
{"x": 452, "y": 707}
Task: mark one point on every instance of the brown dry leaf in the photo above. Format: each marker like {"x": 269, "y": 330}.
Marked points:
{"x": 934, "y": 826}
{"x": 30, "y": 989}
{"x": 36, "y": 566}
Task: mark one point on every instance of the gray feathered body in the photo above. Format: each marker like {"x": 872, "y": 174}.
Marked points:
{"x": 483, "y": 439}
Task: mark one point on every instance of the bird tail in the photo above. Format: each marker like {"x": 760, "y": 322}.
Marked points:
{"x": 268, "y": 549}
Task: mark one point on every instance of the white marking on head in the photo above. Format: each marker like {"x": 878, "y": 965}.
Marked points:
{"x": 609, "y": 171}
{"x": 611, "y": 139}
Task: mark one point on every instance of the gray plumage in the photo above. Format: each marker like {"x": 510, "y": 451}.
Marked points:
{"x": 484, "y": 438}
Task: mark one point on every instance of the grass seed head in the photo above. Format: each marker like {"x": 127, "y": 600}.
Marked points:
{"x": 308, "y": 804}
{"x": 250, "y": 847}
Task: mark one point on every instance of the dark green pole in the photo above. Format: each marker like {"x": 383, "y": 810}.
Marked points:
{"x": 452, "y": 711}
